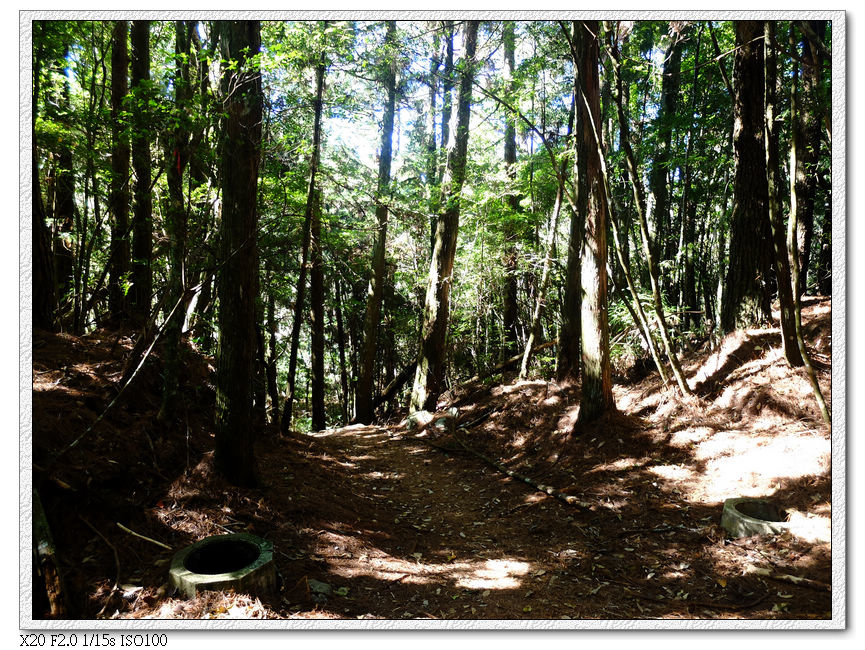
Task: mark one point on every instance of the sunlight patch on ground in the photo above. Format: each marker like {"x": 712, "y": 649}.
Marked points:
{"x": 687, "y": 437}
{"x": 672, "y": 472}
{"x": 810, "y": 527}
{"x": 481, "y": 574}
{"x": 754, "y": 465}
{"x": 620, "y": 465}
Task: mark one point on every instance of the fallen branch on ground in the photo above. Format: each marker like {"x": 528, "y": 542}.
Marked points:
{"x": 796, "y": 580}
{"x": 546, "y": 489}
{"x": 139, "y": 535}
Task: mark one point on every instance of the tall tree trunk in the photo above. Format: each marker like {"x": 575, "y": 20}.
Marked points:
{"x": 377, "y": 279}
{"x": 661, "y": 165}
{"x": 238, "y": 280}
{"x": 272, "y": 326}
{"x": 142, "y": 218}
{"x": 429, "y": 376}
{"x": 177, "y": 156}
{"x": 64, "y": 216}
{"x": 689, "y": 209}
{"x": 510, "y": 312}
{"x": 288, "y": 409}
{"x": 44, "y": 288}
{"x": 316, "y": 317}
{"x": 805, "y": 145}
{"x": 432, "y": 180}
{"x": 597, "y": 386}
{"x": 118, "y": 303}
{"x": 770, "y": 138}
{"x": 746, "y": 300}
{"x": 570, "y": 334}
{"x": 447, "y": 111}
{"x": 340, "y": 339}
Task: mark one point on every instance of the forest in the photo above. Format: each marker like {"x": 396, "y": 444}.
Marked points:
{"x": 447, "y": 319}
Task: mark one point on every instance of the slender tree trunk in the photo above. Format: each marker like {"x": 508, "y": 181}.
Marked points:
{"x": 316, "y": 317}
{"x": 288, "y": 410}
{"x": 597, "y": 386}
{"x": 429, "y": 375}
{"x": 142, "y": 218}
{"x": 510, "y": 312}
{"x": 570, "y": 334}
{"x": 272, "y": 388}
{"x": 689, "y": 209}
{"x": 340, "y": 338}
{"x": 447, "y": 111}
{"x": 432, "y": 184}
{"x": 377, "y": 279}
{"x": 177, "y": 156}
{"x": 44, "y": 289}
{"x": 548, "y": 257}
{"x": 640, "y": 203}
{"x": 661, "y": 165}
{"x": 770, "y": 138}
{"x": 64, "y": 217}
{"x": 746, "y": 291}
{"x": 805, "y": 146}
{"x": 118, "y": 303}
{"x": 238, "y": 281}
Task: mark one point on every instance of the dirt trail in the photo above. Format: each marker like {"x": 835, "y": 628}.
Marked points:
{"x": 374, "y": 522}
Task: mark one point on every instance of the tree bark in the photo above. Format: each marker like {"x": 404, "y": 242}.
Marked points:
{"x": 238, "y": 280}
{"x": 570, "y": 334}
{"x": 377, "y": 278}
{"x": 597, "y": 385}
{"x": 770, "y": 138}
{"x": 746, "y": 299}
{"x": 429, "y": 375}
{"x": 142, "y": 218}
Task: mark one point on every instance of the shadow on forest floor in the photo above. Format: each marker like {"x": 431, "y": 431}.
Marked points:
{"x": 377, "y": 522}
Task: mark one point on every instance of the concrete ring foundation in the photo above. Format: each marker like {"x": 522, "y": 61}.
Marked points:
{"x": 238, "y": 561}
{"x": 746, "y": 516}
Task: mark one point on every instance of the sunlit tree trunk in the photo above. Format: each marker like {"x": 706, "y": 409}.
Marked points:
{"x": 597, "y": 386}
{"x": 770, "y": 138}
{"x": 429, "y": 375}
{"x": 376, "y": 283}
{"x": 805, "y": 145}
{"x": 237, "y": 287}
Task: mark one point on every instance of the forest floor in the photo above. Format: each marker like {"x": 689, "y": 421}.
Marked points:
{"x": 379, "y": 522}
